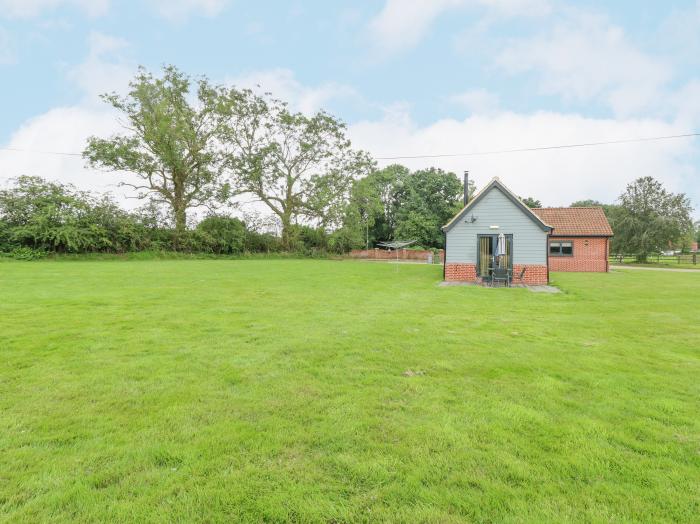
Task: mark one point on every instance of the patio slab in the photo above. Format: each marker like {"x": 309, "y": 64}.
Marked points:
{"x": 534, "y": 289}
{"x": 544, "y": 289}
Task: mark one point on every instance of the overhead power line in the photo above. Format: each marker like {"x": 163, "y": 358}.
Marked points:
{"x": 540, "y": 148}
{"x": 448, "y": 155}
{"x": 39, "y": 152}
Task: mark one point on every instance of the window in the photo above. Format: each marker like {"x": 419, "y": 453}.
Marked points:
{"x": 561, "y": 249}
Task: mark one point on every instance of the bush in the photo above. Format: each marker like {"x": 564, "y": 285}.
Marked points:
{"x": 47, "y": 217}
{"x": 222, "y": 235}
{"x": 5, "y": 235}
{"x": 342, "y": 241}
{"x": 308, "y": 240}
{"x": 262, "y": 242}
{"x": 27, "y": 253}
{"x": 53, "y": 217}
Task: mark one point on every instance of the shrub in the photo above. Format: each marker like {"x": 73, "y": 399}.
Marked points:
{"x": 342, "y": 241}
{"x": 222, "y": 235}
{"x": 262, "y": 242}
{"x": 27, "y": 253}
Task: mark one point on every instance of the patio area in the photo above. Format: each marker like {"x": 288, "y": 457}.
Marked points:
{"x": 534, "y": 288}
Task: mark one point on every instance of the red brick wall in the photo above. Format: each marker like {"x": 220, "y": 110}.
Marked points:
{"x": 534, "y": 275}
{"x": 460, "y": 273}
{"x": 404, "y": 254}
{"x": 590, "y": 254}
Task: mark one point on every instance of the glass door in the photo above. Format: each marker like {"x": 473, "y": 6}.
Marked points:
{"x": 486, "y": 243}
{"x": 486, "y": 259}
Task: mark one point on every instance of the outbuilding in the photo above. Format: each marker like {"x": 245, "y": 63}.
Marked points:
{"x": 496, "y": 231}
{"x": 579, "y": 240}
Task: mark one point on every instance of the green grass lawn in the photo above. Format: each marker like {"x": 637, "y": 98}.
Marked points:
{"x": 219, "y": 391}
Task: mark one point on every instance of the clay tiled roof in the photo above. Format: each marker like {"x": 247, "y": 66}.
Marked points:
{"x": 575, "y": 221}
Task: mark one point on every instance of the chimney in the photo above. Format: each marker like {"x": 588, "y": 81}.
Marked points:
{"x": 466, "y": 187}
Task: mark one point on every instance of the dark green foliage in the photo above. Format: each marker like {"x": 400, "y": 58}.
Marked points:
{"x": 587, "y": 203}
{"x": 27, "y": 253}
{"x": 650, "y": 218}
{"x": 306, "y": 238}
{"x": 531, "y": 202}
{"x": 53, "y": 217}
{"x": 223, "y": 235}
{"x": 39, "y": 217}
{"x": 342, "y": 241}
{"x": 256, "y": 242}
{"x": 425, "y": 201}
{"x": 394, "y": 203}
{"x": 369, "y": 216}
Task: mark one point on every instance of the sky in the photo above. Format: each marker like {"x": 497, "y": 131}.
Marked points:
{"x": 409, "y": 77}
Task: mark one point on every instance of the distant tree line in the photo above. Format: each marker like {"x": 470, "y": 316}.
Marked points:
{"x": 189, "y": 145}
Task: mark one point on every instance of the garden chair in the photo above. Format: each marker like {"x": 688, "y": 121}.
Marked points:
{"x": 500, "y": 275}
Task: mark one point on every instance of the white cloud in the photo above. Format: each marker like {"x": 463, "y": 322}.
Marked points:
{"x": 518, "y": 7}
{"x": 105, "y": 69}
{"x": 179, "y": 10}
{"x": 556, "y": 177}
{"x": 585, "y": 57}
{"x": 479, "y": 101}
{"x": 32, "y": 8}
{"x": 62, "y": 129}
{"x": 401, "y": 24}
{"x": 283, "y": 85}
{"x": 66, "y": 129}
{"x": 685, "y": 103}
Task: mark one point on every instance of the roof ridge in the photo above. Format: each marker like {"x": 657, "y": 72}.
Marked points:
{"x": 569, "y": 207}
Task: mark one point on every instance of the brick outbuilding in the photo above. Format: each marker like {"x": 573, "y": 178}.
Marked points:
{"x": 496, "y": 234}
{"x": 579, "y": 240}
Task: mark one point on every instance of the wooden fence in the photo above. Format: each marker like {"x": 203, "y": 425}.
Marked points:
{"x": 689, "y": 258}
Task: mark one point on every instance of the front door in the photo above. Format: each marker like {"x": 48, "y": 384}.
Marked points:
{"x": 486, "y": 251}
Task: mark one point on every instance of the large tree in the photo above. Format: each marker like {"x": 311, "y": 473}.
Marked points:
{"x": 425, "y": 201}
{"x": 301, "y": 167}
{"x": 393, "y": 203}
{"x": 531, "y": 202}
{"x": 650, "y": 218}
{"x": 371, "y": 207}
{"x": 170, "y": 144}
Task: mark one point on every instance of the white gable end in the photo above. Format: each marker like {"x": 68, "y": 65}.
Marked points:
{"x": 494, "y": 208}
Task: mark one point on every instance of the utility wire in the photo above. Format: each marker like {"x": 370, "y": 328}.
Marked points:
{"x": 541, "y": 148}
{"x": 39, "y": 152}
{"x": 448, "y": 155}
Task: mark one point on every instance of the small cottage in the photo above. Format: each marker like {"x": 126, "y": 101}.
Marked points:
{"x": 496, "y": 231}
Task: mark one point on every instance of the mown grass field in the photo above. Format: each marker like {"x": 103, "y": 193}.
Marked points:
{"x": 328, "y": 391}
